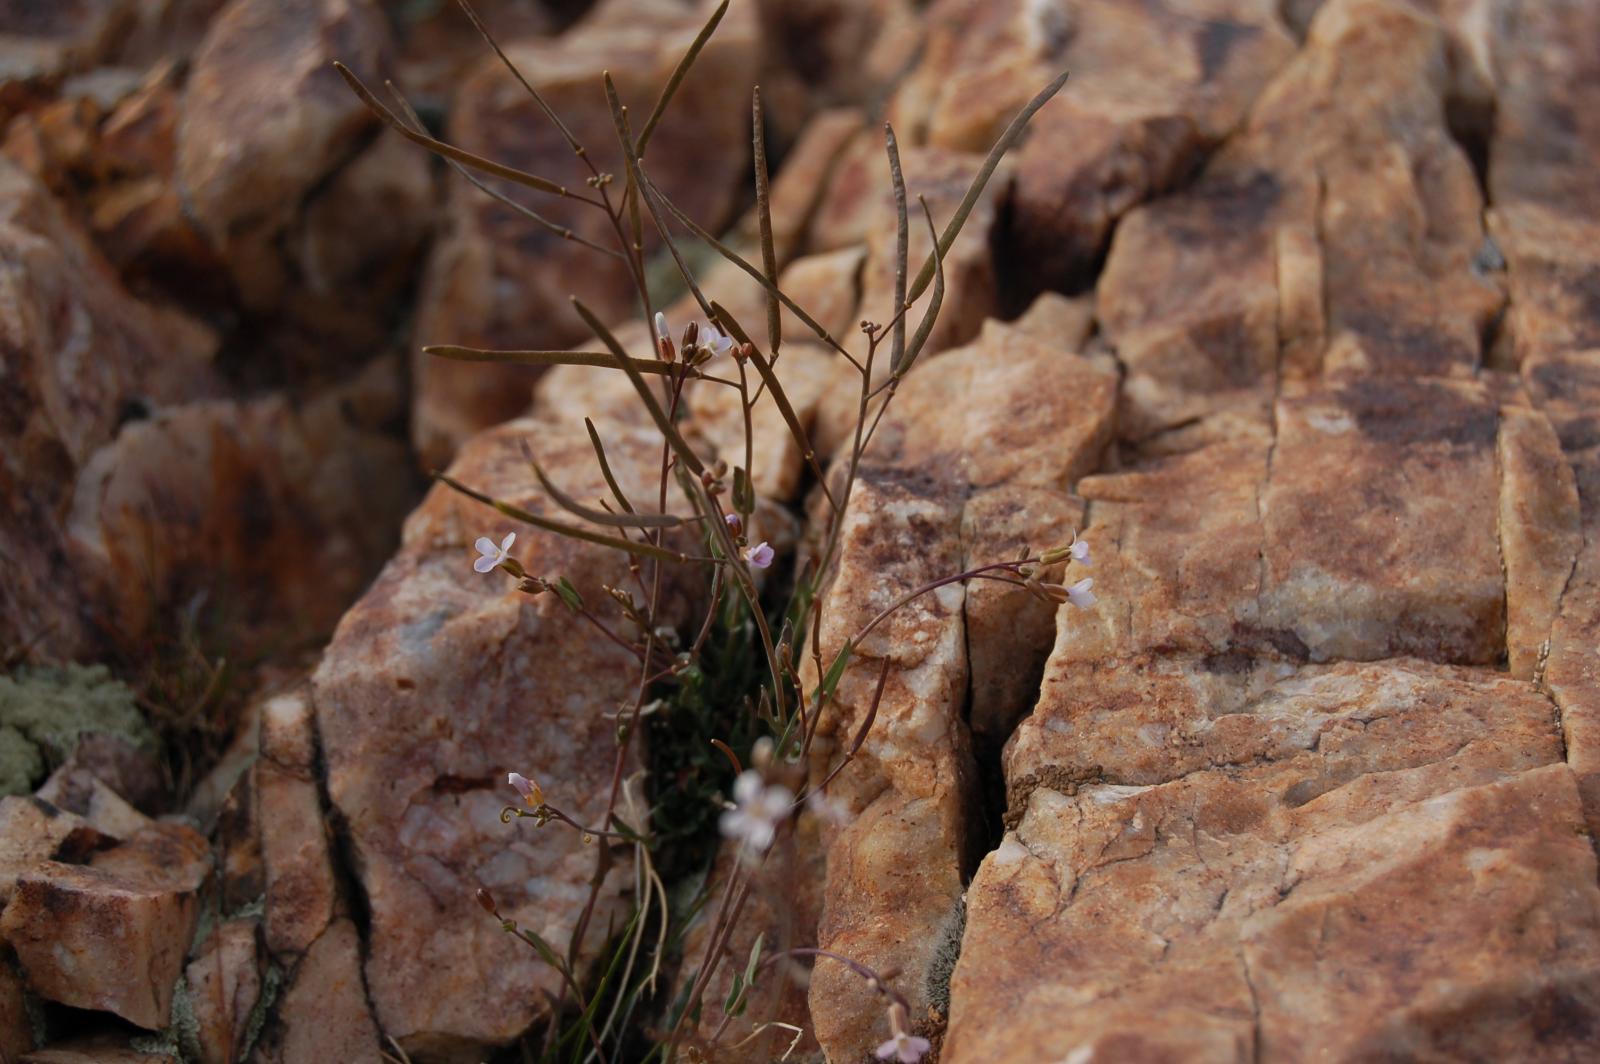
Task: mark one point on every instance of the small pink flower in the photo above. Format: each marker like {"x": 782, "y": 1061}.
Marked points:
{"x": 1080, "y": 551}
{"x": 759, "y": 556}
{"x": 492, "y": 556}
{"x": 906, "y": 1048}
{"x": 713, "y": 341}
{"x": 758, "y": 810}
{"x": 1080, "y": 594}
{"x": 529, "y": 790}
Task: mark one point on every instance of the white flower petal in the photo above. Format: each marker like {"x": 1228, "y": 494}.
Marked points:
{"x": 505, "y": 544}
{"x": 485, "y": 546}
{"x": 485, "y": 564}
{"x": 661, "y": 325}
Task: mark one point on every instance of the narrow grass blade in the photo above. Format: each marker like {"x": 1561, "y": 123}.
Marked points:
{"x": 902, "y": 235}
{"x": 769, "y": 254}
{"x": 519, "y": 514}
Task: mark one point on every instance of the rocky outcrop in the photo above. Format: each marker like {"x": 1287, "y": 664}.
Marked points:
{"x": 1543, "y": 220}
{"x": 1288, "y": 257}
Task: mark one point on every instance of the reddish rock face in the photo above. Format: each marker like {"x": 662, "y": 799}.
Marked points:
{"x": 1543, "y": 220}
{"x": 230, "y": 498}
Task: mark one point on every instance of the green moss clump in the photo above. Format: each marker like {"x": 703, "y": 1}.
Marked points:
{"x": 44, "y": 711}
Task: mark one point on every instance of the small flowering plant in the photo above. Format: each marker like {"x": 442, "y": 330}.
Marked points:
{"x": 738, "y": 669}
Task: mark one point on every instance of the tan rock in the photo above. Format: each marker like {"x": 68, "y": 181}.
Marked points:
{"x": 1062, "y": 322}
{"x": 892, "y": 895}
{"x": 973, "y": 460}
{"x": 419, "y": 731}
{"x": 301, "y": 891}
{"x": 1153, "y": 89}
{"x": 111, "y": 935}
{"x": 1004, "y": 410}
{"x": 78, "y": 791}
{"x": 224, "y": 985}
{"x": 1380, "y": 517}
{"x": 942, "y": 177}
{"x": 1264, "y": 903}
{"x": 61, "y": 307}
{"x": 497, "y": 279}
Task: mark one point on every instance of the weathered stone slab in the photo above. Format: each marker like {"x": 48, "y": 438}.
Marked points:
{"x": 1336, "y": 820}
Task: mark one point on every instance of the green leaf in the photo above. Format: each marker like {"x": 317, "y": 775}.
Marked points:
{"x": 569, "y": 594}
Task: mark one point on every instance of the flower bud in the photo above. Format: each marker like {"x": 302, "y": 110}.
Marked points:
{"x": 486, "y": 901}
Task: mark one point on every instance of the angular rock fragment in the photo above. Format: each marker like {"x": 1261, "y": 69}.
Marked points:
{"x": 1153, "y": 89}
{"x": 1544, "y": 205}
{"x": 1540, "y": 532}
{"x": 498, "y": 279}
{"x": 33, "y": 831}
{"x": 1204, "y": 918}
{"x": 111, "y": 935}
{"x": 424, "y": 701}
{"x": 323, "y": 1012}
